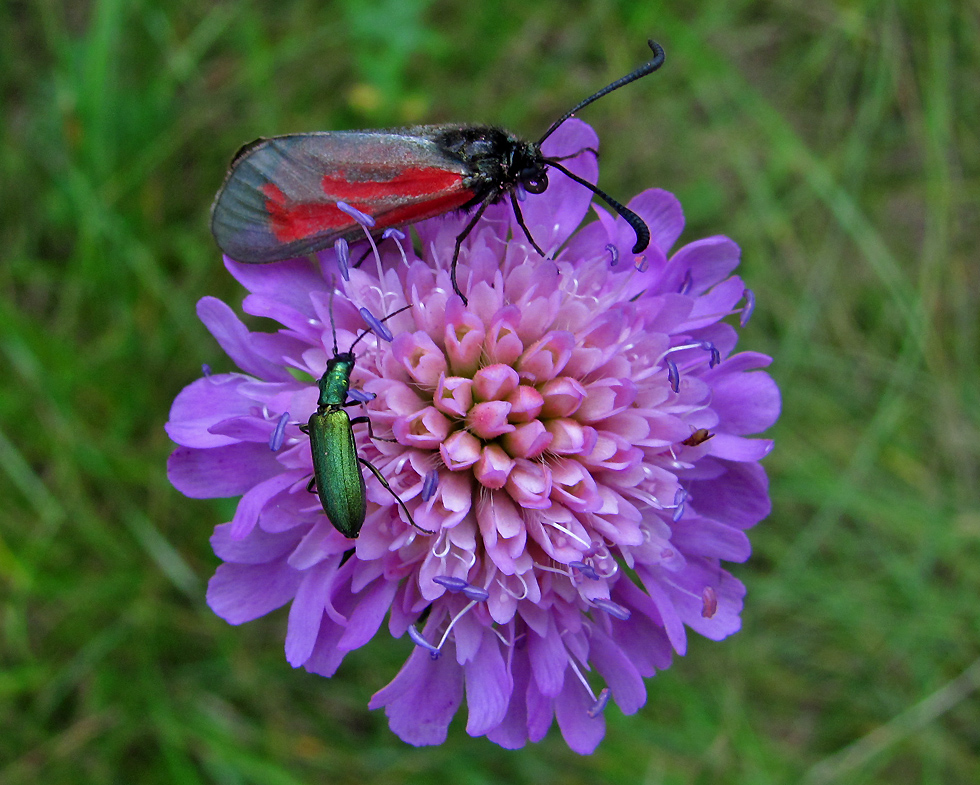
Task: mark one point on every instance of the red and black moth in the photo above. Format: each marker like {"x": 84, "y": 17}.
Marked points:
{"x": 280, "y": 197}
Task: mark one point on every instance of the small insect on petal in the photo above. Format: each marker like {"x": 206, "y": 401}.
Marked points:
{"x": 279, "y": 434}
{"x": 700, "y": 436}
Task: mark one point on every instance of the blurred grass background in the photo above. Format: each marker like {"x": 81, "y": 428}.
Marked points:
{"x": 836, "y": 142}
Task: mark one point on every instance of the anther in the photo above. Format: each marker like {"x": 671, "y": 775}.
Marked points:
{"x": 429, "y": 485}
{"x": 673, "y": 375}
{"x": 376, "y": 325}
{"x": 362, "y": 218}
{"x": 600, "y": 704}
{"x": 709, "y": 602}
{"x": 419, "y": 640}
{"x": 614, "y": 609}
{"x": 279, "y": 433}
{"x": 586, "y": 569}
{"x": 613, "y": 254}
{"x": 342, "y": 250}
{"x": 747, "y": 308}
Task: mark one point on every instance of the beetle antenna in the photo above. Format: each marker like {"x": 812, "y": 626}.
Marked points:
{"x": 358, "y": 338}
{"x": 636, "y": 223}
{"x": 333, "y": 324}
{"x": 643, "y": 70}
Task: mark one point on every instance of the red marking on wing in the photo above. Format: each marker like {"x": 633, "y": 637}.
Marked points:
{"x": 410, "y": 183}
{"x": 291, "y": 221}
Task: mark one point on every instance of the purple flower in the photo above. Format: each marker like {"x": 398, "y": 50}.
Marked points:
{"x": 577, "y": 437}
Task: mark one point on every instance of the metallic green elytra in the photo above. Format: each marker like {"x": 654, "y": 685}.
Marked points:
{"x": 336, "y": 470}
{"x": 336, "y": 464}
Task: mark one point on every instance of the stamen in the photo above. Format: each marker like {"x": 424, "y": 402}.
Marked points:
{"x": 687, "y": 283}
{"x": 673, "y": 375}
{"x": 709, "y": 602}
{"x": 206, "y": 370}
{"x": 419, "y": 640}
{"x": 586, "y": 569}
{"x": 614, "y": 253}
{"x": 360, "y": 395}
{"x": 452, "y": 624}
{"x": 523, "y": 594}
{"x": 520, "y": 192}
{"x": 640, "y": 263}
{"x": 362, "y": 218}
{"x": 475, "y": 593}
{"x": 679, "y": 499}
{"x": 747, "y": 308}
{"x": 715, "y": 354}
{"x": 391, "y": 231}
{"x": 600, "y": 704}
{"x": 452, "y": 584}
{"x": 376, "y": 325}
{"x": 588, "y": 688}
{"x": 563, "y": 530}
{"x": 342, "y": 250}
{"x": 279, "y": 433}
{"x": 430, "y": 485}
{"x": 614, "y": 609}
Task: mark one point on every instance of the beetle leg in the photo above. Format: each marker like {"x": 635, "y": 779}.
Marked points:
{"x": 384, "y": 482}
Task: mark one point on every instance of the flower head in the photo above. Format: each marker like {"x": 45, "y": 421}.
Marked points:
{"x": 576, "y": 438}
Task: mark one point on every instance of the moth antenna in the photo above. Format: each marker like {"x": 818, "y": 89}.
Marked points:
{"x": 636, "y": 223}
{"x": 643, "y": 70}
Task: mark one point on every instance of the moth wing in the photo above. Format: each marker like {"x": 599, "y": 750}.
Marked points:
{"x": 279, "y": 199}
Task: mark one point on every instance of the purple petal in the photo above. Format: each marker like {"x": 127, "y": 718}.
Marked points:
{"x": 582, "y": 733}
{"x": 488, "y": 687}
{"x": 254, "y": 501}
{"x": 306, "y": 612}
{"x": 739, "y": 498}
{"x": 549, "y": 660}
{"x": 620, "y": 673}
{"x": 241, "y": 592}
{"x": 369, "y": 612}
{"x": 258, "y": 548}
{"x": 421, "y": 700}
{"x": 203, "y": 403}
{"x": 221, "y": 471}
{"x": 235, "y": 339}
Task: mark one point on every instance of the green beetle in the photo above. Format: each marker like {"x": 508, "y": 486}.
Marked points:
{"x": 336, "y": 474}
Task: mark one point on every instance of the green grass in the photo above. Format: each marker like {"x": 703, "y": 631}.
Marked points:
{"x": 836, "y": 142}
